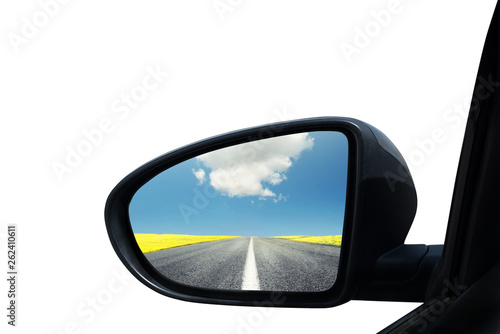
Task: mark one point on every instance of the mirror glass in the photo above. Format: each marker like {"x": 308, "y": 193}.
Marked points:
{"x": 264, "y": 215}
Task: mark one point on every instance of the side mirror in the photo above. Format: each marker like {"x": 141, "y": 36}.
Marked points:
{"x": 307, "y": 213}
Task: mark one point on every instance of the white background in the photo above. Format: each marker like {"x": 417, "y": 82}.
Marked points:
{"x": 246, "y": 67}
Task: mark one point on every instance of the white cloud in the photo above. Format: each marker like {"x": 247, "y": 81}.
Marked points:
{"x": 200, "y": 175}
{"x": 250, "y": 169}
{"x": 279, "y": 198}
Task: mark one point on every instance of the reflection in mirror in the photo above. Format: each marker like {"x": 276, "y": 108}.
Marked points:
{"x": 263, "y": 215}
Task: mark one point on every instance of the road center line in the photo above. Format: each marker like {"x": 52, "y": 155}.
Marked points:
{"x": 250, "y": 275}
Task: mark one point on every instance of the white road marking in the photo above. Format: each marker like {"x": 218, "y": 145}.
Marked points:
{"x": 250, "y": 275}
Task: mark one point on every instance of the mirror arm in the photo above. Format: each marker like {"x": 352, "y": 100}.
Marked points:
{"x": 401, "y": 274}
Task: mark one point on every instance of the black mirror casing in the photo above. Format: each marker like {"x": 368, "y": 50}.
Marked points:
{"x": 380, "y": 207}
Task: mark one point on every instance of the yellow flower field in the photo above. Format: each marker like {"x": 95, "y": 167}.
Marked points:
{"x": 334, "y": 240}
{"x": 154, "y": 242}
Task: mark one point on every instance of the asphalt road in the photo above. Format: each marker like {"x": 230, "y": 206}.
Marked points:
{"x": 254, "y": 263}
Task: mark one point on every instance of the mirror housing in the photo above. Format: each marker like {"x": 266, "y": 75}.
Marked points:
{"x": 380, "y": 206}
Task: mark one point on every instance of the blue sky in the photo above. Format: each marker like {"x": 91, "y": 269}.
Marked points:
{"x": 293, "y": 186}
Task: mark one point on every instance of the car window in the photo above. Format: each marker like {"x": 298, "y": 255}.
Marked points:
{"x": 94, "y": 89}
